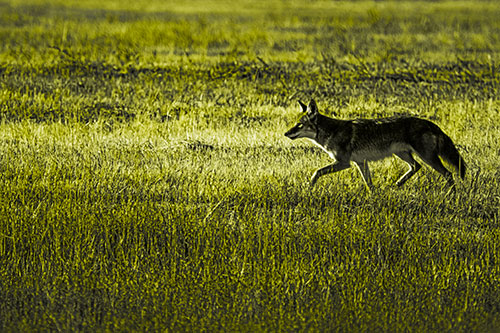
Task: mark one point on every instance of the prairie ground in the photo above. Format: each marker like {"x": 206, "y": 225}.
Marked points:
{"x": 146, "y": 184}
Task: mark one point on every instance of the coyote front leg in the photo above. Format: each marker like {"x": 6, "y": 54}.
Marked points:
{"x": 337, "y": 166}
{"x": 365, "y": 173}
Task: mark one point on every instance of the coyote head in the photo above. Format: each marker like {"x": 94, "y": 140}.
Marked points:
{"x": 307, "y": 125}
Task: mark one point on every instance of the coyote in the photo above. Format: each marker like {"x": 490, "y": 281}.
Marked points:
{"x": 364, "y": 140}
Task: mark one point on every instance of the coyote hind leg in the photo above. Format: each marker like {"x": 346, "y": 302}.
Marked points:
{"x": 414, "y": 167}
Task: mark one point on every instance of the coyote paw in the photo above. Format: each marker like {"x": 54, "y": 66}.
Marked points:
{"x": 314, "y": 179}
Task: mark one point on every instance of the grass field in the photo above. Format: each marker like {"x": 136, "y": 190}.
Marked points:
{"x": 146, "y": 184}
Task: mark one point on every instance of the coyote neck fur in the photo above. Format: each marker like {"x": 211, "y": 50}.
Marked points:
{"x": 333, "y": 134}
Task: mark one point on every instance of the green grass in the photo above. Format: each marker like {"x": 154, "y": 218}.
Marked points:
{"x": 146, "y": 184}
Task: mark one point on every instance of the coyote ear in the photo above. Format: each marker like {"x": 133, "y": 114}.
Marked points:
{"x": 303, "y": 106}
{"x": 313, "y": 108}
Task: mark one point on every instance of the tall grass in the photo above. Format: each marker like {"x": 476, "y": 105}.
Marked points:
{"x": 145, "y": 182}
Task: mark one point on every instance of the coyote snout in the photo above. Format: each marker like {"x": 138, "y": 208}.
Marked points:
{"x": 364, "y": 140}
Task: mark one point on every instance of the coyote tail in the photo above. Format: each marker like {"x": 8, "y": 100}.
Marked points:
{"x": 449, "y": 153}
